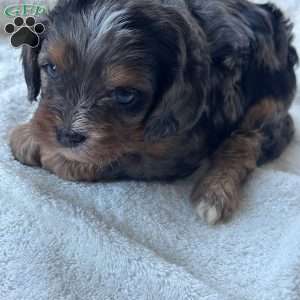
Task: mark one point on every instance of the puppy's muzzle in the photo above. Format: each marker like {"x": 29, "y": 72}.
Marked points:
{"x": 69, "y": 138}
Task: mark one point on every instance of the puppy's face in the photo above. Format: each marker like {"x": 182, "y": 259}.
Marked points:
{"x": 113, "y": 78}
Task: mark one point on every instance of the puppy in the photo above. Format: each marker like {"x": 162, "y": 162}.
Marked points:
{"x": 147, "y": 89}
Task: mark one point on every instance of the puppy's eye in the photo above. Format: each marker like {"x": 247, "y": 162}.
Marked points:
{"x": 51, "y": 70}
{"x": 125, "y": 96}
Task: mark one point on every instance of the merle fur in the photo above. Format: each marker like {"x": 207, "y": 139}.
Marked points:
{"x": 207, "y": 63}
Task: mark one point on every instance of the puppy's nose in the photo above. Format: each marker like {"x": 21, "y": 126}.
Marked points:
{"x": 69, "y": 138}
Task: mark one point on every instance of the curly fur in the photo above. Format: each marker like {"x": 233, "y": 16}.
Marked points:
{"x": 214, "y": 78}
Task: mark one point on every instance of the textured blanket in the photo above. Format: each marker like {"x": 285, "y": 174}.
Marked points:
{"x": 129, "y": 240}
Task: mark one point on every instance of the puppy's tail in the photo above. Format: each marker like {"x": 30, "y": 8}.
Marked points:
{"x": 283, "y": 36}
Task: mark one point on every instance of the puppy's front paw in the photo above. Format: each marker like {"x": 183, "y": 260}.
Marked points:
{"x": 23, "y": 146}
{"x": 68, "y": 170}
{"x": 216, "y": 198}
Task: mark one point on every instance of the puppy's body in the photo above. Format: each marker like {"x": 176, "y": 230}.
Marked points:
{"x": 147, "y": 89}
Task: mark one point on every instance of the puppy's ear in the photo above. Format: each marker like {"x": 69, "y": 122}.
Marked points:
{"x": 31, "y": 68}
{"x": 185, "y": 85}
{"x": 31, "y": 71}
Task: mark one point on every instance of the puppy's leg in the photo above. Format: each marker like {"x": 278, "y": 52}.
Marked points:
{"x": 263, "y": 135}
{"x": 69, "y": 170}
{"x": 26, "y": 150}
{"x": 24, "y": 147}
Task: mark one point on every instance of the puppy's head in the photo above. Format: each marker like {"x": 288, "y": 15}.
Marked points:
{"x": 115, "y": 75}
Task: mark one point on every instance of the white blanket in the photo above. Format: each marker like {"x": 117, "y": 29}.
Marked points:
{"x": 129, "y": 240}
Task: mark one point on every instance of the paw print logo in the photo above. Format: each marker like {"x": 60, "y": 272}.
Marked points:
{"x": 25, "y": 32}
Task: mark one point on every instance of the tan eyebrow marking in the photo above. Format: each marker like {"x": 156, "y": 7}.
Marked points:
{"x": 118, "y": 76}
{"x": 60, "y": 54}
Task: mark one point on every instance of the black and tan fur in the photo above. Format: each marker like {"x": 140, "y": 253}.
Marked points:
{"x": 204, "y": 78}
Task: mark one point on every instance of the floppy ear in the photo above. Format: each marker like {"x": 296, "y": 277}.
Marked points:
{"x": 181, "y": 104}
{"x": 31, "y": 71}
{"x": 31, "y": 68}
